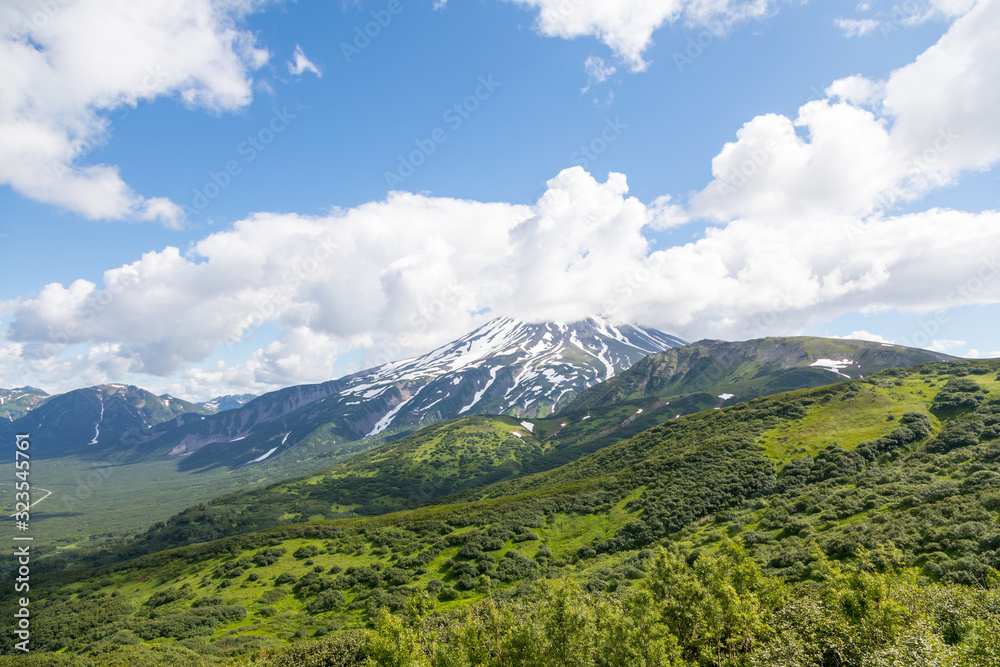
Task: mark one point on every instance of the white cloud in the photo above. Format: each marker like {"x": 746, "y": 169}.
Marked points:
{"x": 627, "y": 26}
{"x": 856, "y": 27}
{"x": 67, "y": 64}
{"x": 866, "y": 335}
{"x": 400, "y": 276}
{"x": 857, "y": 90}
{"x": 871, "y": 144}
{"x": 302, "y": 64}
{"x": 597, "y": 71}
{"x": 953, "y": 88}
{"x": 915, "y": 13}
{"x": 946, "y": 344}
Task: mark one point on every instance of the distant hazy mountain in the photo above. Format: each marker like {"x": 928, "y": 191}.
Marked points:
{"x": 92, "y": 419}
{"x": 15, "y": 403}
{"x": 227, "y": 402}
{"x": 504, "y": 367}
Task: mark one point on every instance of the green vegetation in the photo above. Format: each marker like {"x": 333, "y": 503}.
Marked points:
{"x": 711, "y": 610}
{"x": 16, "y": 403}
{"x": 727, "y": 537}
{"x": 92, "y": 509}
{"x": 97, "y": 503}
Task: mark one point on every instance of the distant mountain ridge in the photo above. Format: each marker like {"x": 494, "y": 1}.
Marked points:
{"x": 227, "y": 402}
{"x": 15, "y": 403}
{"x": 93, "y": 419}
{"x": 743, "y": 370}
{"x": 504, "y": 367}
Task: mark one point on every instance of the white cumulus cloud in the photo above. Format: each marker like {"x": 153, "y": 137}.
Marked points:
{"x": 67, "y": 63}
{"x": 801, "y": 234}
{"x": 870, "y": 144}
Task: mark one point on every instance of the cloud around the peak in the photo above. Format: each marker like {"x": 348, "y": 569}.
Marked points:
{"x": 399, "y": 276}
{"x": 67, "y": 64}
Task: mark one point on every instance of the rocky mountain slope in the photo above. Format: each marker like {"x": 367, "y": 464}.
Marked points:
{"x": 504, "y": 367}
{"x": 227, "y": 402}
{"x": 93, "y": 419}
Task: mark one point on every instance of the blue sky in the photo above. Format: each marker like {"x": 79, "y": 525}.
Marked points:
{"x": 551, "y": 159}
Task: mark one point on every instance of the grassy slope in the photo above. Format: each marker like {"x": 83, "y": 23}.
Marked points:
{"x": 437, "y": 461}
{"x": 692, "y": 481}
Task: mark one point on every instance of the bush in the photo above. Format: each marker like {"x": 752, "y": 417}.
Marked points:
{"x": 269, "y": 556}
{"x": 447, "y": 594}
{"x": 958, "y": 394}
{"x": 307, "y": 551}
{"x": 271, "y": 596}
{"x": 327, "y": 600}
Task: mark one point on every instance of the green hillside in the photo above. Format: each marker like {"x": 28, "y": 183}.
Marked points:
{"x": 482, "y": 450}
{"x": 750, "y": 369}
{"x": 436, "y": 462}
{"x": 907, "y": 456}
{"x": 94, "y": 491}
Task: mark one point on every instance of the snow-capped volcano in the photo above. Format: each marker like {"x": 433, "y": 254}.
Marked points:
{"x": 510, "y": 367}
{"x": 506, "y": 366}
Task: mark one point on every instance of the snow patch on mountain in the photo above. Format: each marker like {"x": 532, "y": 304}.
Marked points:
{"x": 833, "y": 365}
{"x": 263, "y": 456}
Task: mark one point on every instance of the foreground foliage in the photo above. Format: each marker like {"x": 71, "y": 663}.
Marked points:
{"x": 720, "y": 611}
